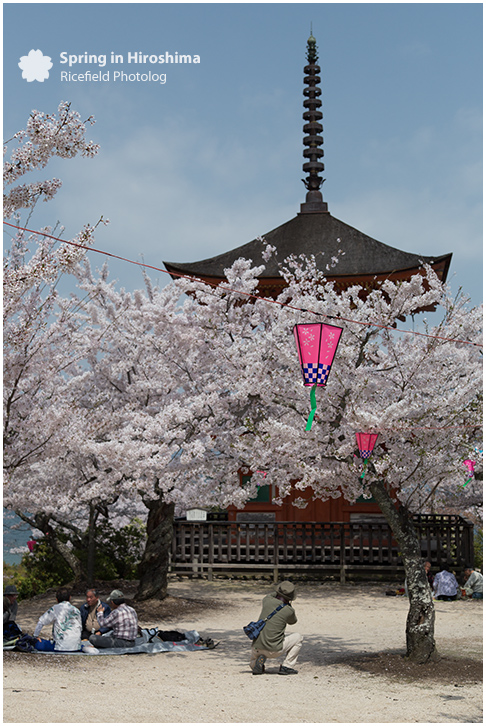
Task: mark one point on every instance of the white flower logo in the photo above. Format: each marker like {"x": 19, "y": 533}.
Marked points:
{"x": 35, "y": 66}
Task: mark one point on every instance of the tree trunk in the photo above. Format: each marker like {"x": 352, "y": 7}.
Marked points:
{"x": 42, "y": 521}
{"x": 421, "y": 615}
{"x": 154, "y": 566}
{"x": 62, "y": 549}
{"x": 90, "y": 565}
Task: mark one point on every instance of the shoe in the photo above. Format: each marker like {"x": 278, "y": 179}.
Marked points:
{"x": 259, "y": 667}
{"x": 284, "y": 671}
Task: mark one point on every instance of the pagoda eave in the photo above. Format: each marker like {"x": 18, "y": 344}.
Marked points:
{"x": 273, "y": 286}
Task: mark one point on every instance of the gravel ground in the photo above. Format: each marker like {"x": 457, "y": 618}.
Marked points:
{"x": 351, "y": 668}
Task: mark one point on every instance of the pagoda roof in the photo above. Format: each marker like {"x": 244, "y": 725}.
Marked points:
{"x": 323, "y": 236}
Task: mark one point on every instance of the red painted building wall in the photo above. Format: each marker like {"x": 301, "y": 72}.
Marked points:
{"x": 332, "y": 510}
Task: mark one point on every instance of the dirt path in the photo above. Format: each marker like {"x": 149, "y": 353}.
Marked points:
{"x": 350, "y": 669}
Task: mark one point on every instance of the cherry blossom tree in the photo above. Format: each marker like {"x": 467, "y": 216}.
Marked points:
{"x": 37, "y": 322}
{"x": 36, "y": 259}
{"x": 147, "y": 393}
{"x": 176, "y": 398}
{"x": 90, "y": 383}
{"x": 213, "y": 384}
{"x": 421, "y": 394}
{"x": 233, "y": 398}
{"x": 162, "y": 399}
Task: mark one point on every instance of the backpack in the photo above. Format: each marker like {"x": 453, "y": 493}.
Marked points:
{"x": 26, "y": 644}
{"x": 172, "y": 636}
{"x": 148, "y": 634}
{"x": 11, "y": 630}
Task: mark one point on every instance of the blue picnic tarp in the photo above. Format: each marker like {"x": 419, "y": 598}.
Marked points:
{"x": 141, "y": 646}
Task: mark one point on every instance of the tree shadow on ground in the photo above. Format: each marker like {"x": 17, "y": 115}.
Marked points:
{"x": 172, "y": 608}
{"x": 448, "y": 670}
{"x": 325, "y": 652}
{"x": 391, "y": 663}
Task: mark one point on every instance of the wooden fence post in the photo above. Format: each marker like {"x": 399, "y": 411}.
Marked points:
{"x": 210, "y": 551}
{"x": 342, "y": 556}
{"x": 275, "y": 553}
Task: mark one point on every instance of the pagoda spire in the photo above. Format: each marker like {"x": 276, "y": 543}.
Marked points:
{"x": 313, "y": 130}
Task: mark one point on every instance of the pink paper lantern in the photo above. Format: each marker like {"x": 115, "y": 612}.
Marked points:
{"x": 31, "y": 544}
{"x": 316, "y": 345}
{"x": 469, "y": 465}
{"x": 366, "y": 444}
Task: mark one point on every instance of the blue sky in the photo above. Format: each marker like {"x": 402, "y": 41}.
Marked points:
{"x": 213, "y": 157}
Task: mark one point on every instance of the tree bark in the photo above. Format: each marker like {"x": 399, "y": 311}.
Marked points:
{"x": 90, "y": 566}
{"x": 62, "y": 549}
{"x": 154, "y": 565}
{"x": 421, "y": 615}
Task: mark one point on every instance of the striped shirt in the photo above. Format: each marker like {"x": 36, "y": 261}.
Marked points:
{"x": 123, "y": 620}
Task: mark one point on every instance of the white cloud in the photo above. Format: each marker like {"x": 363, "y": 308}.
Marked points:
{"x": 170, "y": 194}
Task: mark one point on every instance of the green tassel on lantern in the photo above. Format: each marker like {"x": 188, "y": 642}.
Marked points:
{"x": 364, "y": 469}
{"x": 313, "y": 407}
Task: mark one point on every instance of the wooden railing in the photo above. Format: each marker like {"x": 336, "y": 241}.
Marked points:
{"x": 332, "y": 546}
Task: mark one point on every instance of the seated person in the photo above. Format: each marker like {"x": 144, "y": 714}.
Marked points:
{"x": 445, "y": 585}
{"x": 66, "y": 625}
{"x": 10, "y": 606}
{"x": 122, "y": 620}
{"x": 474, "y": 583}
{"x": 89, "y": 614}
{"x": 428, "y": 572}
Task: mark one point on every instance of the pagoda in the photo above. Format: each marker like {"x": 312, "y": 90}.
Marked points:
{"x": 361, "y": 259}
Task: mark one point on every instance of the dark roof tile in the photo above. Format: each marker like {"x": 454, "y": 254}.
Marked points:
{"x": 317, "y": 234}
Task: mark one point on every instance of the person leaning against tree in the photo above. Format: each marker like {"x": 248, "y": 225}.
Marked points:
{"x": 273, "y": 642}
